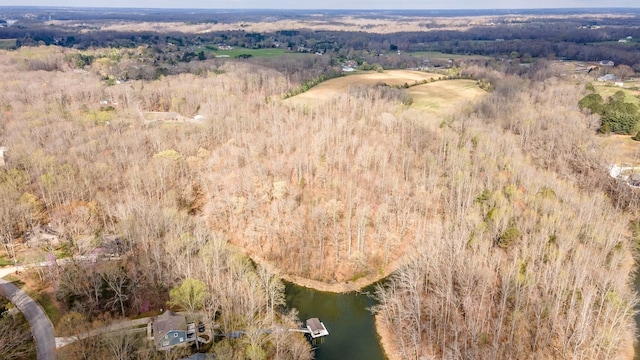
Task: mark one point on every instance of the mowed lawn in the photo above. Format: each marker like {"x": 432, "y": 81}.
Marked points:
{"x": 433, "y": 97}
{"x": 631, "y": 96}
{"x": 270, "y": 52}
{"x": 439, "y": 55}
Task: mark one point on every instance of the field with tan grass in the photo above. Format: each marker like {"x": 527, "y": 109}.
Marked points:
{"x": 386, "y": 25}
{"x": 441, "y": 96}
{"x": 631, "y": 95}
{"x": 621, "y": 149}
{"x": 435, "y": 96}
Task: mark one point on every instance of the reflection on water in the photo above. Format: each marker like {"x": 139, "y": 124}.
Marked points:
{"x": 352, "y": 333}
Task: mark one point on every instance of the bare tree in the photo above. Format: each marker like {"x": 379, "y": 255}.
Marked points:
{"x": 115, "y": 276}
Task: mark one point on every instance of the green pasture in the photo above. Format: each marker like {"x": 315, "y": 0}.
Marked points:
{"x": 631, "y": 96}
{"x": 264, "y": 53}
{"x": 6, "y": 44}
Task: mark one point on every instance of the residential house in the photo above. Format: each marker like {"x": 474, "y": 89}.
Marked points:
{"x": 607, "y": 77}
{"x": 169, "y": 330}
{"x": 606, "y": 63}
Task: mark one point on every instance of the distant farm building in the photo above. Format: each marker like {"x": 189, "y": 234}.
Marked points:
{"x": 606, "y": 63}
{"x": 607, "y": 77}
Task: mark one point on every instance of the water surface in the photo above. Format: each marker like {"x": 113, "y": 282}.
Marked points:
{"x": 352, "y": 333}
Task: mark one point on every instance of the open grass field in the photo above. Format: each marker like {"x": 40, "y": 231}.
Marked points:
{"x": 335, "y": 87}
{"x": 440, "y": 96}
{"x": 268, "y": 53}
{"x": 6, "y": 44}
{"x": 440, "y": 55}
{"x": 621, "y": 149}
{"x": 434, "y": 97}
{"x": 333, "y": 22}
{"x": 606, "y": 90}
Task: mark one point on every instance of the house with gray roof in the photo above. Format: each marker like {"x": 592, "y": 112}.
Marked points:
{"x": 169, "y": 330}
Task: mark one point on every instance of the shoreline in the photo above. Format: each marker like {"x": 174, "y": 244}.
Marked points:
{"x": 384, "y": 334}
{"x": 338, "y": 287}
{"x": 384, "y": 337}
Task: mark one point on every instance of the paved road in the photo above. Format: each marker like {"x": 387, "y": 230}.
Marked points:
{"x": 41, "y": 326}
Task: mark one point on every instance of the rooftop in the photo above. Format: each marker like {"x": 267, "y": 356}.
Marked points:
{"x": 168, "y": 321}
{"x": 316, "y": 328}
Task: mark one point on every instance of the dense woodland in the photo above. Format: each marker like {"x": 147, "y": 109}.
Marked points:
{"x": 17, "y": 343}
{"x": 508, "y": 238}
{"x": 527, "y": 254}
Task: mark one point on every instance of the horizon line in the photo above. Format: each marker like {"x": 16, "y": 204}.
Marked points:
{"x": 321, "y": 9}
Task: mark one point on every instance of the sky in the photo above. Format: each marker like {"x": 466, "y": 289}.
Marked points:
{"x": 330, "y": 4}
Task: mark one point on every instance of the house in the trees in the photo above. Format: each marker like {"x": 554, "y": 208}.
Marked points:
{"x": 169, "y": 330}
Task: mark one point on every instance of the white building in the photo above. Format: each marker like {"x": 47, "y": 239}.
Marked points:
{"x": 2, "y": 151}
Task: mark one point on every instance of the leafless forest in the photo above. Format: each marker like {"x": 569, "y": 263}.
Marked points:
{"x": 527, "y": 256}
{"x": 508, "y": 239}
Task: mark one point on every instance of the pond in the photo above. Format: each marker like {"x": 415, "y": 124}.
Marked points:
{"x": 351, "y": 326}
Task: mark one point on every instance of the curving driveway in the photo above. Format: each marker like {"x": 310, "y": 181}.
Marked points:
{"x": 41, "y": 326}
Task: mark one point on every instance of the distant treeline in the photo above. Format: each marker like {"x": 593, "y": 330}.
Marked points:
{"x": 571, "y": 39}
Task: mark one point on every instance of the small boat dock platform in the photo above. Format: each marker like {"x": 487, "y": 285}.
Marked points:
{"x": 316, "y": 328}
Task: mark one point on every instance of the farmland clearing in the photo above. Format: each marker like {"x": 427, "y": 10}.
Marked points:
{"x": 428, "y": 91}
